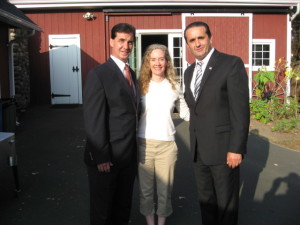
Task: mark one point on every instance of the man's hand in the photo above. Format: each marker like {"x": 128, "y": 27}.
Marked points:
{"x": 104, "y": 167}
{"x": 233, "y": 159}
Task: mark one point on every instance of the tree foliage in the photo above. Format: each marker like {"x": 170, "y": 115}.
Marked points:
{"x": 295, "y": 64}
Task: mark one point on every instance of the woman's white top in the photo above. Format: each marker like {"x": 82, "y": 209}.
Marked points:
{"x": 157, "y": 107}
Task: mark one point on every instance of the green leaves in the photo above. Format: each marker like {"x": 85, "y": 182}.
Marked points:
{"x": 273, "y": 110}
{"x": 262, "y": 78}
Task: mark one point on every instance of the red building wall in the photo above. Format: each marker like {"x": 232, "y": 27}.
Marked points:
{"x": 229, "y": 35}
{"x": 273, "y": 26}
{"x": 92, "y": 35}
{"x": 95, "y": 33}
{"x": 147, "y": 21}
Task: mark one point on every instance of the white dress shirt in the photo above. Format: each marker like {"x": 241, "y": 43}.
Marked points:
{"x": 121, "y": 66}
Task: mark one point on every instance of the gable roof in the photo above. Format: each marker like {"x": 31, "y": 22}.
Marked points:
{"x": 11, "y": 15}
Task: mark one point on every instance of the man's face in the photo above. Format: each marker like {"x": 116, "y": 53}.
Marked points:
{"x": 198, "y": 42}
{"x": 121, "y": 46}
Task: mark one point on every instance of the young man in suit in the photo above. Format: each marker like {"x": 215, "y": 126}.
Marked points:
{"x": 217, "y": 94}
{"x": 110, "y": 115}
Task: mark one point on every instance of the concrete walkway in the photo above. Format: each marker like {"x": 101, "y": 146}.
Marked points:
{"x": 50, "y": 143}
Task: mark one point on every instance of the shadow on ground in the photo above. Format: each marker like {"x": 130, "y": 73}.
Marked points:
{"x": 50, "y": 143}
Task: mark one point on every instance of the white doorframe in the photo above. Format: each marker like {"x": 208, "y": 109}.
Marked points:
{"x": 139, "y": 34}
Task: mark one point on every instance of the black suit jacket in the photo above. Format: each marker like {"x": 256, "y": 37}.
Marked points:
{"x": 219, "y": 121}
{"x": 110, "y": 115}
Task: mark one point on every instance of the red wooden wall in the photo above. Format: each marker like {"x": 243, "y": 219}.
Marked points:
{"x": 147, "y": 21}
{"x": 91, "y": 41}
{"x": 92, "y": 37}
{"x": 95, "y": 36}
{"x": 229, "y": 35}
{"x": 4, "y": 79}
{"x": 272, "y": 27}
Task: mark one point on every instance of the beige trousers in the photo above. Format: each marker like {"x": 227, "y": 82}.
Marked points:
{"x": 156, "y": 166}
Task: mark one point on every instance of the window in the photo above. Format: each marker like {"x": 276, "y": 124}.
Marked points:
{"x": 175, "y": 48}
{"x": 263, "y": 54}
{"x": 177, "y": 56}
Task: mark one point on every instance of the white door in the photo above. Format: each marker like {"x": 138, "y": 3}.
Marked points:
{"x": 65, "y": 69}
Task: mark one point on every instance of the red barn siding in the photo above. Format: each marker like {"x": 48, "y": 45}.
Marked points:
{"x": 4, "y": 80}
{"x": 91, "y": 41}
{"x": 92, "y": 38}
{"x": 272, "y": 27}
{"x": 151, "y": 21}
{"x": 229, "y": 35}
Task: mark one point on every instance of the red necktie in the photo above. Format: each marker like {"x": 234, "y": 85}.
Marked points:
{"x": 128, "y": 78}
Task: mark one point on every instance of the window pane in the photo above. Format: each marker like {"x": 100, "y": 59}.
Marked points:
{"x": 258, "y": 62}
{"x": 176, "y": 62}
{"x": 266, "y": 62}
{"x": 266, "y": 55}
{"x": 266, "y": 48}
{"x": 176, "y": 42}
{"x": 176, "y": 52}
{"x": 258, "y": 48}
{"x": 258, "y": 54}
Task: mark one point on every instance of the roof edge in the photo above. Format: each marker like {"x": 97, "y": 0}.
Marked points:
{"x": 32, "y": 4}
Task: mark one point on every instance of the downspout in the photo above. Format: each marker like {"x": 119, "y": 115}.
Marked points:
{"x": 288, "y": 83}
{"x": 11, "y": 75}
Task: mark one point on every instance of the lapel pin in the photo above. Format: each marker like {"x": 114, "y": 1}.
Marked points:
{"x": 210, "y": 68}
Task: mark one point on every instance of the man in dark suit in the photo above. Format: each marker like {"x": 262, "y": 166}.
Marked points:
{"x": 110, "y": 115}
{"x": 217, "y": 94}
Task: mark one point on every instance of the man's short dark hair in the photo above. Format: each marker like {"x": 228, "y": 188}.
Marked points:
{"x": 198, "y": 24}
{"x": 122, "y": 28}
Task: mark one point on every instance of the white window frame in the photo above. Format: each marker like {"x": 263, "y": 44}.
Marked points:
{"x": 139, "y": 33}
{"x": 271, "y": 43}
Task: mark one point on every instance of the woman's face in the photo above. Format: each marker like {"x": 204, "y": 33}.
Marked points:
{"x": 158, "y": 62}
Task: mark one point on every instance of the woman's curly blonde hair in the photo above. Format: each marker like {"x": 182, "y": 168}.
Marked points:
{"x": 146, "y": 74}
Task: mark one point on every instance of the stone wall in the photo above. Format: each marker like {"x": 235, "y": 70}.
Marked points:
{"x": 21, "y": 67}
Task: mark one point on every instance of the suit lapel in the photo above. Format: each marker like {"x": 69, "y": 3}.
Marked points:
{"x": 188, "y": 82}
{"x": 123, "y": 81}
{"x": 208, "y": 70}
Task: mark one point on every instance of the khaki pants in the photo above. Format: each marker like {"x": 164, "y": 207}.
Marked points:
{"x": 156, "y": 165}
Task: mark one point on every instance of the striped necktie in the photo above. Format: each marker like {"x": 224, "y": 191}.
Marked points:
{"x": 198, "y": 79}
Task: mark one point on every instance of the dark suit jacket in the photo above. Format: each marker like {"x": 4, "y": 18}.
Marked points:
{"x": 110, "y": 115}
{"x": 219, "y": 121}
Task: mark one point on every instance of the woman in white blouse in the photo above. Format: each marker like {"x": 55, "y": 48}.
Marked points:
{"x": 160, "y": 94}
